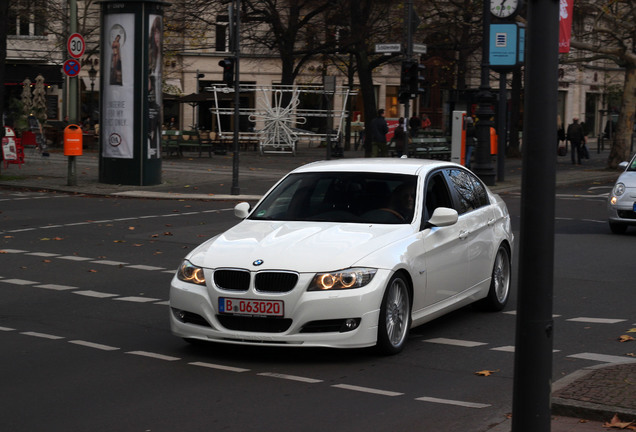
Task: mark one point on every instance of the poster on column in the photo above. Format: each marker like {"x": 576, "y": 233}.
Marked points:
{"x": 118, "y": 103}
{"x": 155, "y": 62}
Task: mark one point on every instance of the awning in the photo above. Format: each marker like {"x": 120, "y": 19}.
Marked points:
{"x": 16, "y": 73}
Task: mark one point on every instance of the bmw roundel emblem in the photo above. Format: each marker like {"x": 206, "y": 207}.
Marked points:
{"x": 258, "y": 262}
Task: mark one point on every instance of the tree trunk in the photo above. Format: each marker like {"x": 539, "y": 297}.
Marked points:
{"x": 620, "y": 150}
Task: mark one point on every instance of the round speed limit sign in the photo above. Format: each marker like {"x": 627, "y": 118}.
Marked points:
{"x": 76, "y": 45}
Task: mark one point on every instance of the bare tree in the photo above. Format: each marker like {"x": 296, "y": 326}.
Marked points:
{"x": 606, "y": 30}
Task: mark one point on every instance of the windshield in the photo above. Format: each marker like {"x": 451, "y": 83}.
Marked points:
{"x": 632, "y": 165}
{"x": 341, "y": 197}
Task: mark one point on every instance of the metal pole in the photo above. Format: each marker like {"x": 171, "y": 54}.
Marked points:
{"x": 534, "y": 333}
{"x": 235, "y": 157}
{"x": 501, "y": 127}
{"x": 72, "y": 99}
{"x": 483, "y": 161}
{"x": 409, "y": 52}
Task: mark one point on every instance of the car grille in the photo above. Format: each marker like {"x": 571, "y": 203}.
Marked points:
{"x": 266, "y": 281}
{"x": 255, "y": 324}
{"x": 626, "y": 214}
{"x": 233, "y": 280}
{"x": 275, "y": 281}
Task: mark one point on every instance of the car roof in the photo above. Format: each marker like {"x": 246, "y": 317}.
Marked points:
{"x": 383, "y": 165}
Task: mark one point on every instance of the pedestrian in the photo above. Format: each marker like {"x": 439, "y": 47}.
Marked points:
{"x": 577, "y": 138}
{"x": 471, "y": 139}
{"x": 415, "y": 124}
{"x": 379, "y": 129}
{"x": 400, "y": 138}
{"x": 426, "y": 122}
{"x": 562, "y": 148}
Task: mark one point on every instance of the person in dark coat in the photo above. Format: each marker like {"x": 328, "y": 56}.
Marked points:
{"x": 379, "y": 129}
{"x": 401, "y": 138}
{"x": 576, "y": 136}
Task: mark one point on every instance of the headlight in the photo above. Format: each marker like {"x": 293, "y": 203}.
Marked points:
{"x": 190, "y": 273}
{"x": 342, "y": 279}
{"x": 619, "y": 189}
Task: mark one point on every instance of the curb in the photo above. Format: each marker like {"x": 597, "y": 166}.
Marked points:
{"x": 584, "y": 409}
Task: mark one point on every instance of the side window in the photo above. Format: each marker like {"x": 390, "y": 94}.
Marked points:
{"x": 471, "y": 193}
{"x": 437, "y": 195}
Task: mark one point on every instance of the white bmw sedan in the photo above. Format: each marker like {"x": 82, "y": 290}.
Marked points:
{"x": 348, "y": 253}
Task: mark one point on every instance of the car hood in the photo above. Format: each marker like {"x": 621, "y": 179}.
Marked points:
{"x": 296, "y": 246}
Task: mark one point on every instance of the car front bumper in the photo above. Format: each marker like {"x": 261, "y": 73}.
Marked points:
{"x": 311, "y": 319}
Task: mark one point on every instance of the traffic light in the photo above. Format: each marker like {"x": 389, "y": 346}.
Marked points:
{"x": 228, "y": 71}
{"x": 416, "y": 78}
{"x": 405, "y": 80}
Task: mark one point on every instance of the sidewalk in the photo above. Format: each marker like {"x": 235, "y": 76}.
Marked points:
{"x": 192, "y": 177}
{"x": 594, "y": 394}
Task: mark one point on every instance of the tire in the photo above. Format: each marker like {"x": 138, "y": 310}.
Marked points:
{"x": 395, "y": 316}
{"x": 618, "y": 228}
{"x": 499, "y": 282}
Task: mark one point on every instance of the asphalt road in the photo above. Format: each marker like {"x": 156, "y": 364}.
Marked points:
{"x": 86, "y": 344}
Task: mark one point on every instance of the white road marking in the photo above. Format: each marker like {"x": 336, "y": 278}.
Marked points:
{"x": 508, "y": 348}
{"x": 455, "y": 342}
{"x": 12, "y": 251}
{"x": 604, "y": 358}
{"x": 97, "y": 294}
{"x": 7, "y": 329}
{"x": 137, "y": 299}
{"x": 597, "y": 320}
{"x": 56, "y": 287}
{"x": 108, "y": 262}
{"x": 42, "y": 335}
{"x": 18, "y": 281}
{"x": 94, "y": 345}
{"x": 145, "y": 267}
{"x": 42, "y": 254}
{"x": 367, "y": 390}
{"x": 75, "y": 258}
{"x": 153, "y": 355}
{"x": 290, "y": 377}
{"x": 452, "y": 402}
{"x": 219, "y": 367}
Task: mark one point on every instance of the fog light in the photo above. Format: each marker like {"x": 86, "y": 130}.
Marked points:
{"x": 350, "y": 324}
{"x": 179, "y": 314}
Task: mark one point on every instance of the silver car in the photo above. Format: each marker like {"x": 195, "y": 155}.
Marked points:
{"x": 621, "y": 205}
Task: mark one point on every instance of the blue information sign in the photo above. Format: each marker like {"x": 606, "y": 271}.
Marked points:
{"x": 503, "y": 45}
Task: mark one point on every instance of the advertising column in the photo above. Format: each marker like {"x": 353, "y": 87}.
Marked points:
{"x": 131, "y": 105}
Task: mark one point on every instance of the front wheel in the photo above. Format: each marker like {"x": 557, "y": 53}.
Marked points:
{"x": 395, "y": 316}
{"x": 500, "y": 282}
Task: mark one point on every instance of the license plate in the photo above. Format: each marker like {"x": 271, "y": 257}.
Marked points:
{"x": 235, "y": 306}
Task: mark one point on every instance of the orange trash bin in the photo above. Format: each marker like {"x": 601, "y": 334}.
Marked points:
{"x": 72, "y": 140}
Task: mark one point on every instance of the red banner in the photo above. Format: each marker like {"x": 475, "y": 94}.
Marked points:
{"x": 565, "y": 25}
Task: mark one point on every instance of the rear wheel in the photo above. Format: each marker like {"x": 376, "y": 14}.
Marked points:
{"x": 499, "y": 283}
{"x": 395, "y": 316}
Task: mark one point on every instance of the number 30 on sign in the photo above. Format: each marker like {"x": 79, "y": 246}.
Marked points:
{"x": 76, "y": 45}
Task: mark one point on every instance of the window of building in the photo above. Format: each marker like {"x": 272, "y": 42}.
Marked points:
{"x": 27, "y": 18}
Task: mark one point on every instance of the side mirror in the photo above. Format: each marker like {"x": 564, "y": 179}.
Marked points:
{"x": 443, "y": 216}
{"x": 623, "y": 165}
{"x": 242, "y": 210}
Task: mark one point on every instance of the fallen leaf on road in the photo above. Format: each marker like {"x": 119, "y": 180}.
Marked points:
{"x": 486, "y": 372}
{"x": 625, "y": 338}
{"x": 631, "y": 330}
{"x": 616, "y": 423}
